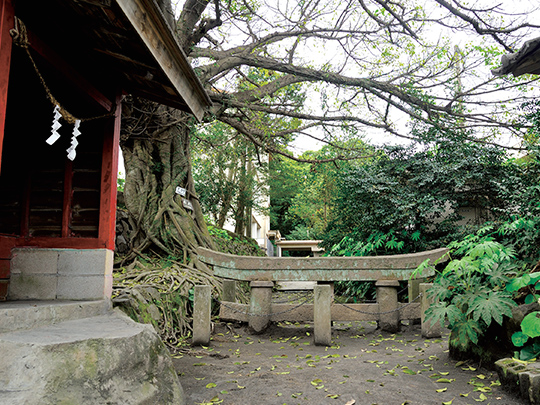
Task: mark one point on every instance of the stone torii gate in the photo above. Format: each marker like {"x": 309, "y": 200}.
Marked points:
{"x": 262, "y": 272}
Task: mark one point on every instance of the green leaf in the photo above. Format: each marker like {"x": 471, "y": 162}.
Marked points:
{"x": 210, "y": 385}
{"x": 464, "y": 332}
{"x": 530, "y": 325}
{"x": 529, "y": 299}
{"x": 519, "y": 339}
{"x": 439, "y": 311}
{"x": 482, "y": 398}
{"x": 493, "y": 305}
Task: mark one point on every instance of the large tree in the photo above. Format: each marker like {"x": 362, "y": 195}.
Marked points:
{"x": 371, "y": 65}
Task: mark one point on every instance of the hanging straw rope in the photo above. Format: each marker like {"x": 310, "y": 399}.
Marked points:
{"x": 19, "y": 35}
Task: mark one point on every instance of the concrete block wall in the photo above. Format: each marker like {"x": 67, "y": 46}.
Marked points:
{"x": 65, "y": 274}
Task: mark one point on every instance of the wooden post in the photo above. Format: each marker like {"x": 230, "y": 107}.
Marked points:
{"x": 322, "y": 317}
{"x": 109, "y": 174}
{"x": 6, "y": 24}
{"x": 202, "y": 303}
{"x": 387, "y": 298}
{"x": 428, "y": 330}
{"x": 229, "y": 291}
{"x": 260, "y": 305}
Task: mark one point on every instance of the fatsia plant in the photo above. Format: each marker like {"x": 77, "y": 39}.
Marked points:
{"x": 470, "y": 292}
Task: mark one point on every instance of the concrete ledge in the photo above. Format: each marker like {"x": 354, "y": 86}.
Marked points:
{"x": 107, "y": 359}
{"x": 21, "y": 315}
{"x": 521, "y": 378}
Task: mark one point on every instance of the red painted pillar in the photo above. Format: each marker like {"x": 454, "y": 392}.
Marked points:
{"x": 6, "y": 23}
{"x": 109, "y": 174}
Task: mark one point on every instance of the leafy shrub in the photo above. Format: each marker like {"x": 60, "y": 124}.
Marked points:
{"x": 232, "y": 243}
{"x": 527, "y": 341}
{"x": 481, "y": 285}
{"x": 363, "y": 290}
{"x": 470, "y": 291}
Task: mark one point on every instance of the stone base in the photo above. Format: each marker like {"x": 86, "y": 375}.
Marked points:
{"x": 520, "y": 377}
{"x": 107, "y": 359}
{"x": 63, "y": 274}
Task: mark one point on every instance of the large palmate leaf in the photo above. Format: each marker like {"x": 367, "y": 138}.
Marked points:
{"x": 464, "y": 332}
{"x": 493, "y": 305}
{"x": 441, "y": 290}
{"x": 439, "y": 311}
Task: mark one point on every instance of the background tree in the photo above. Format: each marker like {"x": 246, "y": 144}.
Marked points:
{"x": 229, "y": 175}
{"x": 306, "y": 195}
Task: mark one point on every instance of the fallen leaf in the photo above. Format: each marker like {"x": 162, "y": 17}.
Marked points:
{"x": 482, "y": 398}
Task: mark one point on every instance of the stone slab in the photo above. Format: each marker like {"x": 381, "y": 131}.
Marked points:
{"x": 83, "y": 287}
{"x": 85, "y": 262}
{"x": 32, "y": 286}
{"x": 21, "y": 315}
{"x": 230, "y": 311}
{"x": 249, "y": 268}
{"x": 34, "y": 261}
{"x": 107, "y": 359}
{"x": 296, "y": 285}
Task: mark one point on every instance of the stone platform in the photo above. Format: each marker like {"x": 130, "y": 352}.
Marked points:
{"x": 81, "y": 353}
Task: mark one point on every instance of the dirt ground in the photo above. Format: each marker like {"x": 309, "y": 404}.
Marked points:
{"x": 363, "y": 366}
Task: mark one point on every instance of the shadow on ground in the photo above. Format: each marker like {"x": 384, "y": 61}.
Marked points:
{"x": 363, "y": 366}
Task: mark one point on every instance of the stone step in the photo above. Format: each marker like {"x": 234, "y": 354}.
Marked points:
{"x": 20, "y": 315}
{"x": 97, "y": 360}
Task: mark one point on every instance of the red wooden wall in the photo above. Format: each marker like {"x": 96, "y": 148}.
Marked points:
{"x": 46, "y": 200}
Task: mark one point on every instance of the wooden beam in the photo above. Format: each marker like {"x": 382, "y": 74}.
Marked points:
{"x": 86, "y": 88}
{"x": 6, "y": 23}
{"x": 8, "y": 243}
{"x": 109, "y": 174}
{"x": 149, "y": 23}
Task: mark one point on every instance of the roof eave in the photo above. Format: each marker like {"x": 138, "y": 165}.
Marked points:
{"x": 148, "y": 21}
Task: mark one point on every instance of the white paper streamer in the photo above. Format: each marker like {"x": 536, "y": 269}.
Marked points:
{"x": 55, "y": 126}
{"x": 71, "y": 150}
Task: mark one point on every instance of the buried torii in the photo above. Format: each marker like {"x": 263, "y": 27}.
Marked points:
{"x": 262, "y": 272}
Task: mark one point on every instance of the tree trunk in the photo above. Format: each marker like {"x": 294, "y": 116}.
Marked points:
{"x": 157, "y": 161}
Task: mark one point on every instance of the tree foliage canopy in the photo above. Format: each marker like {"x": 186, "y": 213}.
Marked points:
{"x": 369, "y": 65}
